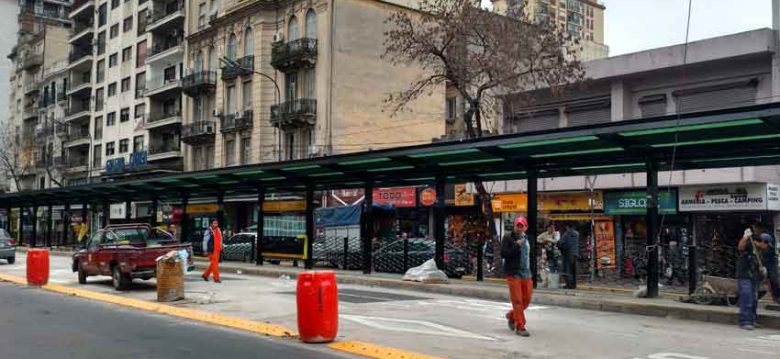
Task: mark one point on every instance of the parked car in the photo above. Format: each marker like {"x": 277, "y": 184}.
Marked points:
{"x": 239, "y": 247}
{"x": 7, "y": 247}
{"x": 390, "y": 258}
{"x": 125, "y": 252}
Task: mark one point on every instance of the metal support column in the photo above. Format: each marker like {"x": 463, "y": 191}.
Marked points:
{"x": 8, "y": 219}
{"x": 35, "y": 226}
{"x": 49, "y": 226}
{"x": 105, "y": 210}
{"x": 65, "y": 224}
{"x": 258, "y": 251}
{"x": 221, "y": 210}
{"x": 367, "y": 228}
{"x": 438, "y": 223}
{"x": 153, "y": 219}
{"x": 128, "y": 209}
{"x": 532, "y": 219}
{"x": 652, "y": 229}
{"x": 21, "y": 225}
{"x": 309, "y": 264}
{"x": 184, "y": 232}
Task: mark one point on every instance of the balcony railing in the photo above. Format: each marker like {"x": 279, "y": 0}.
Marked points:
{"x": 243, "y": 121}
{"x": 246, "y": 67}
{"x": 77, "y": 135}
{"x": 165, "y": 46}
{"x": 62, "y": 94}
{"x": 158, "y": 16}
{"x": 76, "y": 110}
{"x": 294, "y": 55}
{"x": 165, "y": 147}
{"x": 294, "y": 112}
{"x": 79, "y": 53}
{"x": 77, "y": 162}
{"x": 32, "y": 60}
{"x": 197, "y": 82}
{"x": 198, "y": 132}
{"x": 162, "y": 115}
{"x": 153, "y": 88}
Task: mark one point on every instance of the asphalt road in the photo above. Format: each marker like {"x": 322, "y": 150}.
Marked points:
{"x": 38, "y": 324}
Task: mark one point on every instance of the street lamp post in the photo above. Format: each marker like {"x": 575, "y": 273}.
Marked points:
{"x": 237, "y": 66}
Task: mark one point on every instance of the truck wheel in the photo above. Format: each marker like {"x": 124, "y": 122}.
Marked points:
{"x": 120, "y": 280}
{"x": 11, "y": 260}
{"x": 82, "y": 276}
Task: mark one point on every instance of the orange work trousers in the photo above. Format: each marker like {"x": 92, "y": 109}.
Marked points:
{"x": 213, "y": 266}
{"x": 520, "y": 290}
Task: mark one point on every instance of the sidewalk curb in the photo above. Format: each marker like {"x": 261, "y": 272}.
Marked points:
{"x": 569, "y": 299}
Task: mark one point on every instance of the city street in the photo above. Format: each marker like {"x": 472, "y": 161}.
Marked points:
{"x": 446, "y": 326}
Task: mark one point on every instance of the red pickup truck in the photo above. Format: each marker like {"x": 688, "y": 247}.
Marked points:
{"x": 125, "y": 252}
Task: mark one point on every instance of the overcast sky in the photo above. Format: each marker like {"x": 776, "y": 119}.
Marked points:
{"x": 636, "y": 25}
{"x": 7, "y": 41}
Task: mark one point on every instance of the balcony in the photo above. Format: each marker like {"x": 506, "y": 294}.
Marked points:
{"x": 58, "y": 161}
{"x": 295, "y": 113}
{"x": 162, "y": 88}
{"x": 41, "y": 160}
{"x": 74, "y": 165}
{"x": 82, "y": 34}
{"x": 32, "y": 86}
{"x": 246, "y": 67}
{"x": 163, "y": 118}
{"x": 199, "y": 132}
{"x": 45, "y": 101}
{"x": 77, "y": 138}
{"x": 294, "y": 55}
{"x": 82, "y": 8}
{"x": 237, "y": 122}
{"x": 81, "y": 89}
{"x": 80, "y": 58}
{"x": 165, "y": 49}
{"x": 164, "y": 150}
{"x": 32, "y": 61}
{"x": 62, "y": 94}
{"x": 77, "y": 113}
{"x": 29, "y": 112}
{"x": 199, "y": 82}
{"x": 172, "y": 17}
{"x": 61, "y": 130}
{"x": 43, "y": 133}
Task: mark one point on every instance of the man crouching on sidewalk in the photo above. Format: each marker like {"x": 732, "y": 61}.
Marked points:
{"x": 516, "y": 253}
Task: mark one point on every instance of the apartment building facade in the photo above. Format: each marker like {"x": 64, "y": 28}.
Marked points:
{"x": 310, "y": 82}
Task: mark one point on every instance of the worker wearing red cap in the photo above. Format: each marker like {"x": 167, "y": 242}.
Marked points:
{"x": 516, "y": 252}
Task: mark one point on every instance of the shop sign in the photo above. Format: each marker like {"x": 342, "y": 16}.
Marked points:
{"x": 605, "y": 244}
{"x": 117, "y": 211}
{"x": 576, "y": 201}
{"x": 428, "y": 197}
{"x": 745, "y": 197}
{"x": 577, "y": 217}
{"x": 398, "y": 197}
{"x": 284, "y": 206}
{"x": 635, "y": 202}
{"x": 463, "y": 198}
{"x": 773, "y": 197}
{"x": 202, "y": 208}
{"x": 510, "y": 203}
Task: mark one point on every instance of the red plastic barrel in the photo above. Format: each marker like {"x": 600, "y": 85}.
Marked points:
{"x": 318, "y": 307}
{"x": 37, "y": 266}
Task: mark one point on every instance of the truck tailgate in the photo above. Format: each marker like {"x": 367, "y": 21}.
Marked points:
{"x": 145, "y": 257}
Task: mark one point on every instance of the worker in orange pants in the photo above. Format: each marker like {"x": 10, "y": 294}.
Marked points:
{"x": 515, "y": 249}
{"x": 212, "y": 246}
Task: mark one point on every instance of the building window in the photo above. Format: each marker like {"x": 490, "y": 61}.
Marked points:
{"x": 212, "y": 59}
{"x": 110, "y": 119}
{"x": 98, "y": 128}
{"x": 97, "y": 162}
{"x": 247, "y": 95}
{"x": 99, "y": 99}
{"x": 114, "y": 31}
{"x": 231, "y": 47}
{"x": 114, "y": 4}
{"x": 140, "y": 109}
{"x": 101, "y": 43}
{"x": 309, "y": 84}
{"x": 199, "y": 61}
{"x": 124, "y": 115}
{"x": 231, "y": 100}
{"x": 138, "y": 143}
{"x": 169, "y": 74}
{"x": 249, "y": 42}
{"x": 125, "y": 84}
{"x": 102, "y": 15}
{"x": 311, "y": 24}
{"x": 112, "y": 89}
{"x": 292, "y": 29}
{"x": 124, "y": 145}
{"x": 140, "y": 84}
{"x": 140, "y": 54}
{"x": 291, "y": 86}
{"x": 452, "y": 108}
{"x": 101, "y": 71}
{"x": 112, "y": 60}
{"x": 127, "y": 52}
{"x": 202, "y": 15}
{"x": 127, "y": 24}
{"x": 110, "y": 148}
{"x": 290, "y": 146}
{"x": 230, "y": 152}
{"x": 142, "y": 21}
{"x": 246, "y": 150}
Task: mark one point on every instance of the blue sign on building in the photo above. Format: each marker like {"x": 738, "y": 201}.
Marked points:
{"x": 137, "y": 159}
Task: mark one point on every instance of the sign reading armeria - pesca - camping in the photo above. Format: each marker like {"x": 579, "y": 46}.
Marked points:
{"x": 749, "y": 196}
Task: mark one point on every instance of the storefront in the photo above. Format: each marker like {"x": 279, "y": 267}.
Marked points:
{"x": 721, "y": 213}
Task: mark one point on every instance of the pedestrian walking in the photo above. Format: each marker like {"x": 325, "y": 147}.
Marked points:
{"x": 516, "y": 250}
{"x": 570, "y": 248}
{"x": 750, "y": 271}
{"x": 770, "y": 261}
{"x": 212, "y": 246}
{"x": 548, "y": 261}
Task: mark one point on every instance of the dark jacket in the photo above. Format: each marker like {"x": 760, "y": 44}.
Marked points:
{"x": 516, "y": 257}
{"x": 570, "y": 243}
{"x": 208, "y": 241}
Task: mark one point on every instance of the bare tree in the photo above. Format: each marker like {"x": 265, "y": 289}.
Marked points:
{"x": 12, "y": 167}
{"x": 480, "y": 54}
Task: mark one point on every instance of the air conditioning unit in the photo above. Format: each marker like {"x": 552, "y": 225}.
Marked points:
{"x": 216, "y": 113}
{"x": 278, "y": 37}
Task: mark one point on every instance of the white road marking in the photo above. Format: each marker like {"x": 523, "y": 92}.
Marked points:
{"x": 672, "y": 356}
{"x": 755, "y": 351}
{"x": 413, "y": 326}
{"x": 775, "y": 337}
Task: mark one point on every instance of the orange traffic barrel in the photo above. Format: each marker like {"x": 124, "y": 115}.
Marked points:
{"x": 37, "y": 266}
{"x": 318, "y": 306}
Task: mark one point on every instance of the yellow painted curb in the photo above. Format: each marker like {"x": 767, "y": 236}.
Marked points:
{"x": 376, "y": 351}
{"x": 191, "y": 314}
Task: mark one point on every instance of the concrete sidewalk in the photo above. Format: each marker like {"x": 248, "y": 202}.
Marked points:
{"x": 617, "y": 302}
